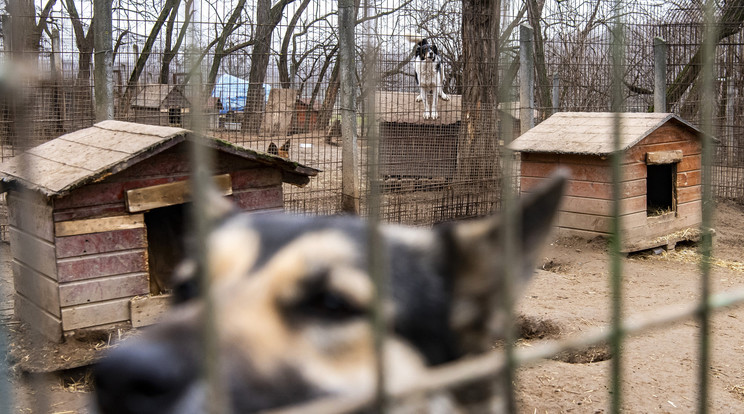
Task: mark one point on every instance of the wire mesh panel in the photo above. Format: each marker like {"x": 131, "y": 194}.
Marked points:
{"x": 409, "y": 125}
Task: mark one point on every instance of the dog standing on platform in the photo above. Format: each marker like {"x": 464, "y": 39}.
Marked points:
{"x": 428, "y": 66}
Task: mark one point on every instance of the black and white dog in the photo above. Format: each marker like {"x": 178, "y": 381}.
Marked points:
{"x": 428, "y": 66}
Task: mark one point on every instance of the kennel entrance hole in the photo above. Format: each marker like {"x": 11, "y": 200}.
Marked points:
{"x": 165, "y": 243}
{"x": 661, "y": 189}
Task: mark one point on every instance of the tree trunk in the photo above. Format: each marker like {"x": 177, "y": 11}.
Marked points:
{"x": 284, "y": 74}
{"x": 326, "y": 110}
{"x": 478, "y": 147}
{"x": 267, "y": 17}
{"x": 171, "y": 50}
{"x": 82, "y": 101}
{"x": 732, "y": 20}
{"x": 542, "y": 84}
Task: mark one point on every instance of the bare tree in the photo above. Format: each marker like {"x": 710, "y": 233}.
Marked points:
{"x": 730, "y": 22}
{"x": 267, "y": 17}
{"x": 172, "y": 49}
{"x": 283, "y": 62}
{"x": 232, "y": 24}
{"x": 170, "y": 6}
{"x": 478, "y": 143}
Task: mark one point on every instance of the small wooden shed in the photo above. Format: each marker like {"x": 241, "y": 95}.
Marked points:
{"x": 414, "y": 147}
{"x": 661, "y": 196}
{"x": 94, "y": 215}
{"x": 164, "y": 105}
{"x": 306, "y": 116}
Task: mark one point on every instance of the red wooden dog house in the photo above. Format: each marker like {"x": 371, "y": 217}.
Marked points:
{"x": 91, "y": 211}
{"x": 661, "y": 195}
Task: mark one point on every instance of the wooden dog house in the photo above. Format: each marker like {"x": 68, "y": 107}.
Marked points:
{"x": 661, "y": 194}
{"x": 93, "y": 216}
{"x": 164, "y": 105}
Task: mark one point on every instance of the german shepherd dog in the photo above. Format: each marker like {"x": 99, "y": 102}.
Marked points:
{"x": 292, "y": 301}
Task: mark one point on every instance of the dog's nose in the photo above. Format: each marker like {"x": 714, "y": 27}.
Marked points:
{"x": 140, "y": 378}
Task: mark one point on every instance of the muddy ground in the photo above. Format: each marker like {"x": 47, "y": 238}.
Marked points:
{"x": 569, "y": 296}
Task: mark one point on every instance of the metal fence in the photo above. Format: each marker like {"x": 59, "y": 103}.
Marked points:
{"x": 271, "y": 77}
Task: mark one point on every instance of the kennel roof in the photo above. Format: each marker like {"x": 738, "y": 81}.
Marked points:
{"x": 401, "y": 107}
{"x": 90, "y": 155}
{"x": 590, "y": 133}
{"x": 152, "y": 96}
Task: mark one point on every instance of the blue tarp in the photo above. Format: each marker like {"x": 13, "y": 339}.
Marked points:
{"x": 232, "y": 91}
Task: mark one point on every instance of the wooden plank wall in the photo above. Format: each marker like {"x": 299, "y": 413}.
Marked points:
{"x": 31, "y": 235}
{"x": 669, "y": 137}
{"x": 586, "y": 207}
{"x": 102, "y": 263}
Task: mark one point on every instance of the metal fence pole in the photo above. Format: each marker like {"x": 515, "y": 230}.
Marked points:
{"x": 349, "y": 151}
{"x": 660, "y": 69}
{"x": 103, "y": 59}
{"x": 526, "y": 78}
{"x": 707, "y": 105}
{"x": 616, "y": 259}
{"x": 556, "y": 93}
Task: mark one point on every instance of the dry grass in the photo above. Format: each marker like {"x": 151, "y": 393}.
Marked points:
{"x": 692, "y": 255}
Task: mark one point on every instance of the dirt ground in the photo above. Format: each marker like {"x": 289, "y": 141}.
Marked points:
{"x": 569, "y": 296}
{"x": 660, "y": 367}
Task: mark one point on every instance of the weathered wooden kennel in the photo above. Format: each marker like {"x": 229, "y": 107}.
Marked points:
{"x": 164, "y": 105}
{"x": 661, "y": 192}
{"x": 93, "y": 216}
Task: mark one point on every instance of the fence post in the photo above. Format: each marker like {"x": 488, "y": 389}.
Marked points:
{"x": 730, "y": 140}
{"x": 103, "y": 60}
{"x": 556, "y": 93}
{"x": 660, "y": 69}
{"x": 349, "y": 151}
{"x": 526, "y": 78}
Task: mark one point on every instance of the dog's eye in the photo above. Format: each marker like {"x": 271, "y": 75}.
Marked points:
{"x": 328, "y": 305}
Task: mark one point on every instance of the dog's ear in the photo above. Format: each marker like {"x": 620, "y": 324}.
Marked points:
{"x": 285, "y": 146}
{"x": 477, "y": 262}
{"x": 273, "y": 149}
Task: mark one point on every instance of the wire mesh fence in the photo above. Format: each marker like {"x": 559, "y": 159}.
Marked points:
{"x": 242, "y": 59}
{"x": 269, "y": 77}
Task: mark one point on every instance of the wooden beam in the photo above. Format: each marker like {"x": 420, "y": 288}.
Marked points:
{"x": 94, "y": 314}
{"x": 37, "y": 288}
{"x": 663, "y": 157}
{"x": 99, "y": 225}
{"x": 48, "y": 325}
{"x": 147, "y": 310}
{"x": 36, "y": 253}
{"x": 104, "y": 288}
{"x": 163, "y": 195}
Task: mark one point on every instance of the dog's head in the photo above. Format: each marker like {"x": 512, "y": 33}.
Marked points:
{"x": 292, "y": 301}
{"x": 426, "y": 50}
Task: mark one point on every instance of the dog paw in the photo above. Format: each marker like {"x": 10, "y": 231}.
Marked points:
{"x": 426, "y": 115}
{"x": 444, "y": 96}
{"x": 418, "y": 98}
{"x": 434, "y": 115}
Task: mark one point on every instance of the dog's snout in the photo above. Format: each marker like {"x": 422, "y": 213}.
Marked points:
{"x": 146, "y": 378}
